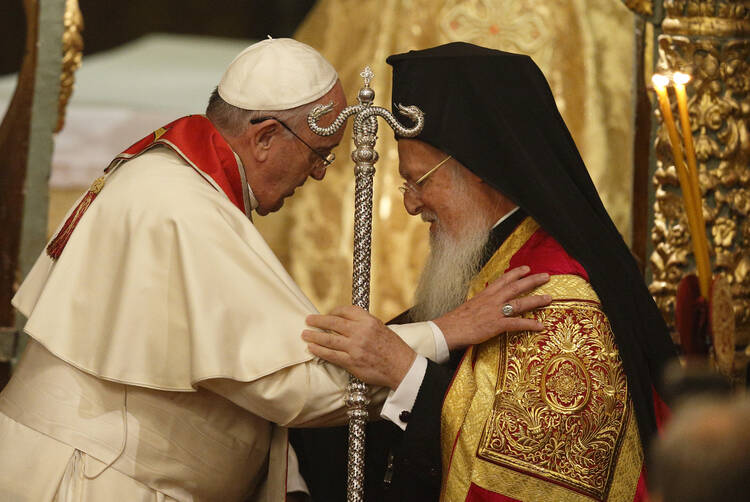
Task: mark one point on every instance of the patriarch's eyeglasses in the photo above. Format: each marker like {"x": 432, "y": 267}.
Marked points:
{"x": 415, "y": 187}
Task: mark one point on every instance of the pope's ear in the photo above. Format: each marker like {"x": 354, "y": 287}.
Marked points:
{"x": 261, "y": 137}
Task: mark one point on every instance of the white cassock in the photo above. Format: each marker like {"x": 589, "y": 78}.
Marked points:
{"x": 165, "y": 353}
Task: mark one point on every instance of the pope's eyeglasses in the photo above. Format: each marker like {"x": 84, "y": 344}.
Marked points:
{"x": 324, "y": 161}
{"x": 416, "y": 186}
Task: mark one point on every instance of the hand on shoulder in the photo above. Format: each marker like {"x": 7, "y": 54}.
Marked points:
{"x": 481, "y": 318}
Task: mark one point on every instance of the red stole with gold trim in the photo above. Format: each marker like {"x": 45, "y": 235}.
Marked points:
{"x": 196, "y": 140}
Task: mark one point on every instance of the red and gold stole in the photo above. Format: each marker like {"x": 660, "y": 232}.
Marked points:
{"x": 196, "y": 140}
{"x": 542, "y": 416}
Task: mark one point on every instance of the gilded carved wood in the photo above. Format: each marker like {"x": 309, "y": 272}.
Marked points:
{"x": 710, "y": 18}
{"x": 72, "y": 55}
{"x": 709, "y": 40}
{"x": 643, "y": 7}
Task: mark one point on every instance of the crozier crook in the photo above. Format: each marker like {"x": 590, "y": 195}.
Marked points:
{"x": 364, "y": 157}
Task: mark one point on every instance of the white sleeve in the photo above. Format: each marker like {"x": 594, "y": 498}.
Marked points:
{"x": 442, "y": 354}
{"x": 436, "y": 351}
{"x": 399, "y": 402}
{"x": 311, "y": 394}
{"x": 402, "y": 399}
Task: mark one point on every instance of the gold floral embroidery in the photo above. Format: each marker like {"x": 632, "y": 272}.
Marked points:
{"x": 510, "y": 374}
{"x": 560, "y": 407}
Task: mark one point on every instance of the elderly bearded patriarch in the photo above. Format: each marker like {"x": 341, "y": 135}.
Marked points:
{"x": 453, "y": 260}
{"x": 565, "y": 414}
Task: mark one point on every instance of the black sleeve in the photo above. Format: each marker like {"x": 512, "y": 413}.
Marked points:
{"x": 322, "y": 461}
{"x": 323, "y": 452}
{"x": 416, "y": 457}
{"x": 399, "y": 466}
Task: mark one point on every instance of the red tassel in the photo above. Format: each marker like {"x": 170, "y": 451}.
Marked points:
{"x": 56, "y": 245}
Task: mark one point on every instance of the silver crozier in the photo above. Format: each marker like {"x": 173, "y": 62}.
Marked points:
{"x": 364, "y": 157}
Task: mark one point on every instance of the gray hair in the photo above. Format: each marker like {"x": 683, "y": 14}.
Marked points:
{"x": 233, "y": 121}
{"x": 704, "y": 453}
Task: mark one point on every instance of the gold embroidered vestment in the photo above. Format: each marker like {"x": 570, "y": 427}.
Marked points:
{"x": 542, "y": 416}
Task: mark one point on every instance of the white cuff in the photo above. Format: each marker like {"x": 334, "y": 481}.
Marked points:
{"x": 399, "y": 402}
{"x": 442, "y": 354}
{"x": 294, "y": 480}
{"x": 419, "y": 336}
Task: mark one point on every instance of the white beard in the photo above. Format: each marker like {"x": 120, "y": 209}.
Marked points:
{"x": 450, "y": 267}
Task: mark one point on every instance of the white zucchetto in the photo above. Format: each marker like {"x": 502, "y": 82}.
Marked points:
{"x": 276, "y": 74}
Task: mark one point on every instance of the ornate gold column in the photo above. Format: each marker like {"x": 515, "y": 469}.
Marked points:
{"x": 72, "y": 42}
{"x": 709, "y": 39}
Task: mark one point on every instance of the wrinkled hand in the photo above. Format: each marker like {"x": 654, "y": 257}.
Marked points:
{"x": 481, "y": 318}
{"x": 361, "y": 344}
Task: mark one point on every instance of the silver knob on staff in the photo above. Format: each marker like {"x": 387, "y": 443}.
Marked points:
{"x": 364, "y": 157}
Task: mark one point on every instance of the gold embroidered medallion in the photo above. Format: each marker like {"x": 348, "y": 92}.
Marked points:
{"x": 565, "y": 384}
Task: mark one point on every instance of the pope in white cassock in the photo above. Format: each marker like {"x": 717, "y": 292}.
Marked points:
{"x": 165, "y": 357}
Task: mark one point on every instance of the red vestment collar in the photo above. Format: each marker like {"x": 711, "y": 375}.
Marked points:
{"x": 197, "y": 142}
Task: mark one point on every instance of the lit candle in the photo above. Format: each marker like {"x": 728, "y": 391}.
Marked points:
{"x": 680, "y": 79}
{"x": 660, "y": 86}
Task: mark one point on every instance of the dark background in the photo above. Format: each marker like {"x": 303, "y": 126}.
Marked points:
{"x": 110, "y": 23}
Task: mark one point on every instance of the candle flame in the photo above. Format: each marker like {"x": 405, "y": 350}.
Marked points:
{"x": 659, "y": 80}
{"x": 681, "y": 78}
